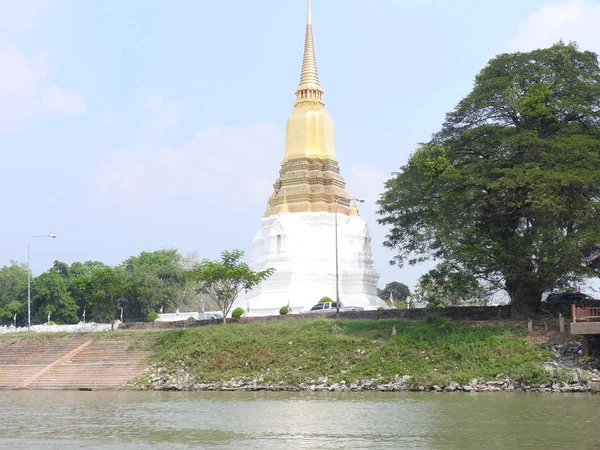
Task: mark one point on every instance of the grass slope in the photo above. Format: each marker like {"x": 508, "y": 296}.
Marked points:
{"x": 433, "y": 351}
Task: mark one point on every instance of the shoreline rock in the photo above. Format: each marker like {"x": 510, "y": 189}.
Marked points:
{"x": 581, "y": 373}
{"x": 181, "y": 381}
{"x": 562, "y": 387}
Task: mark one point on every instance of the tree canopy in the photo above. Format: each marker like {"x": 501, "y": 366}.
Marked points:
{"x": 139, "y": 285}
{"x": 13, "y": 287}
{"x": 399, "y": 291}
{"x": 225, "y": 279}
{"x": 449, "y": 285}
{"x": 508, "y": 190}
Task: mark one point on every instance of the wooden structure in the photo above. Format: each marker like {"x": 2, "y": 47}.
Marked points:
{"x": 586, "y": 323}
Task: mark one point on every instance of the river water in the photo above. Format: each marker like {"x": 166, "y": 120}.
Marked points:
{"x": 156, "y": 420}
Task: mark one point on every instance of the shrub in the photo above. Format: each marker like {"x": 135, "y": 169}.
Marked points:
{"x": 51, "y": 323}
{"x": 191, "y": 319}
{"x": 325, "y": 300}
{"x": 381, "y": 308}
{"x": 237, "y": 313}
{"x": 284, "y": 310}
{"x": 152, "y": 316}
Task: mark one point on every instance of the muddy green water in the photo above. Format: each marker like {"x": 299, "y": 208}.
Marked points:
{"x": 153, "y": 420}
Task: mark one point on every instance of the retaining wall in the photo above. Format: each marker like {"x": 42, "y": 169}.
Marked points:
{"x": 457, "y": 313}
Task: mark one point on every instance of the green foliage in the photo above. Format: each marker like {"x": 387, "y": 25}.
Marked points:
{"x": 508, "y": 189}
{"x": 99, "y": 288}
{"x": 381, "y": 308}
{"x": 223, "y": 280}
{"x": 237, "y": 313}
{"x": 433, "y": 351}
{"x": 284, "y": 310}
{"x": 152, "y": 316}
{"x": 52, "y": 322}
{"x": 50, "y": 295}
{"x": 139, "y": 285}
{"x": 326, "y": 300}
{"x": 13, "y": 292}
{"x": 153, "y": 279}
{"x": 191, "y": 319}
{"x": 401, "y": 305}
{"x": 399, "y": 291}
{"x": 448, "y": 285}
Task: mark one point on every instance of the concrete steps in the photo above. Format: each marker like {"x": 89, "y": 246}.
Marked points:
{"x": 70, "y": 363}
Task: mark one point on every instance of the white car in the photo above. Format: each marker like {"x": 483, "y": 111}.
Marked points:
{"x": 207, "y": 316}
{"x": 331, "y": 307}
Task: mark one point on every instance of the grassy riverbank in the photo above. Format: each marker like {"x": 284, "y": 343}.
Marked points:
{"x": 431, "y": 352}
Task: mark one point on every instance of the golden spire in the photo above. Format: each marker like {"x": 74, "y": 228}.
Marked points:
{"x": 309, "y": 89}
{"x": 309, "y": 168}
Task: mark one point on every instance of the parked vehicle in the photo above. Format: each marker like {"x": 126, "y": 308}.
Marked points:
{"x": 207, "y": 316}
{"x": 560, "y": 302}
{"x": 331, "y": 307}
{"x": 568, "y": 298}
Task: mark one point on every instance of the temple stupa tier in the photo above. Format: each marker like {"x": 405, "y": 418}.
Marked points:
{"x": 298, "y": 235}
{"x": 309, "y": 185}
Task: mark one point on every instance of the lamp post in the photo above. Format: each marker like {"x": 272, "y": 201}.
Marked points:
{"x": 52, "y": 236}
{"x": 337, "y": 278}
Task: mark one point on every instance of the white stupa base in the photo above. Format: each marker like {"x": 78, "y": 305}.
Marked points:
{"x": 301, "y": 249}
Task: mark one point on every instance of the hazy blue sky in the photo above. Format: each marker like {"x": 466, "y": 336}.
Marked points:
{"x": 132, "y": 125}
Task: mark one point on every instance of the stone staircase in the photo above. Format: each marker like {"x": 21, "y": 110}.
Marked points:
{"x": 72, "y": 362}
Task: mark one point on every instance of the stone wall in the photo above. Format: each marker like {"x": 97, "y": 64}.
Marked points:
{"x": 166, "y": 325}
{"x": 462, "y": 313}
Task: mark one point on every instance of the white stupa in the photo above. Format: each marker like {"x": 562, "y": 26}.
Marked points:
{"x": 297, "y": 236}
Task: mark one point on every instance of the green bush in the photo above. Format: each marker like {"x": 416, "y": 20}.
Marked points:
{"x": 284, "y": 310}
{"x": 191, "y": 319}
{"x": 381, "y": 308}
{"x": 51, "y": 323}
{"x": 325, "y": 300}
{"x": 237, "y": 313}
{"x": 152, "y": 316}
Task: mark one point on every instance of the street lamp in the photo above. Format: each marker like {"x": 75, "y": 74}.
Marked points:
{"x": 337, "y": 278}
{"x": 52, "y": 236}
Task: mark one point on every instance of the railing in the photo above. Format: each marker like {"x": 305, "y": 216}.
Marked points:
{"x": 583, "y": 314}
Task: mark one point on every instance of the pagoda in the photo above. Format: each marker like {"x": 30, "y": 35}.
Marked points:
{"x": 311, "y": 230}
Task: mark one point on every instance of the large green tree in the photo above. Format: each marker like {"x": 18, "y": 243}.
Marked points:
{"x": 13, "y": 292}
{"x": 399, "y": 291}
{"x": 78, "y": 278}
{"x": 101, "y": 289}
{"x": 50, "y": 295}
{"x": 508, "y": 190}
{"x": 448, "y": 285}
{"x": 223, "y": 280}
{"x": 153, "y": 279}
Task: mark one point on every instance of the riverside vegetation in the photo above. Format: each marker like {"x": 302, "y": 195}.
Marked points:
{"x": 386, "y": 355}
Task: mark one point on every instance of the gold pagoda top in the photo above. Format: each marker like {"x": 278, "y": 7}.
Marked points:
{"x": 309, "y": 90}
{"x": 309, "y": 179}
{"x": 309, "y": 129}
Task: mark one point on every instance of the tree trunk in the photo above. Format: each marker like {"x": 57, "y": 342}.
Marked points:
{"x": 525, "y": 297}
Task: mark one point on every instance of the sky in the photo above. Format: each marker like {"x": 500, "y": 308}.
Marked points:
{"x": 130, "y": 126}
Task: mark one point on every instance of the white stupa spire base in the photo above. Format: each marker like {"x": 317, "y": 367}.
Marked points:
{"x": 301, "y": 249}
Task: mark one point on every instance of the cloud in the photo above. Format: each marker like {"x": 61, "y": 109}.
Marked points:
{"x": 17, "y": 77}
{"x": 58, "y": 100}
{"x": 570, "y": 20}
{"x": 22, "y": 91}
{"x": 224, "y": 164}
{"x": 165, "y": 115}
